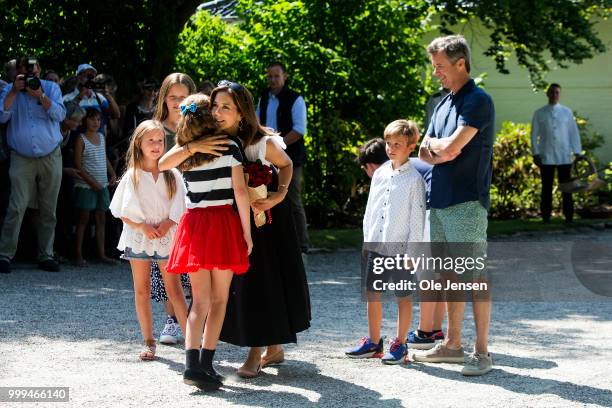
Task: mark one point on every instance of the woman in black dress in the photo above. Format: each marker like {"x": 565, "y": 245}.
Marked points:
{"x": 270, "y": 303}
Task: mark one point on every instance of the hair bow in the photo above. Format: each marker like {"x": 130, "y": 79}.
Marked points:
{"x": 192, "y": 107}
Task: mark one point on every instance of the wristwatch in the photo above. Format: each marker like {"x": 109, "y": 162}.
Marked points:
{"x": 42, "y": 96}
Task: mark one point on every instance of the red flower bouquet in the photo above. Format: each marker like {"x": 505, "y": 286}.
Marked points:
{"x": 258, "y": 177}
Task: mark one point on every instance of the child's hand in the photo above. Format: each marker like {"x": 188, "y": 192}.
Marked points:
{"x": 150, "y": 231}
{"x": 249, "y": 242}
{"x": 164, "y": 226}
{"x": 72, "y": 172}
{"x": 96, "y": 187}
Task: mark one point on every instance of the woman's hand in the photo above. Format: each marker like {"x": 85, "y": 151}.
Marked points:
{"x": 150, "y": 231}
{"x": 215, "y": 145}
{"x": 263, "y": 204}
{"x": 249, "y": 243}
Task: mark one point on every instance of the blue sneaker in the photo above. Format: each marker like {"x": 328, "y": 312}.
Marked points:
{"x": 366, "y": 349}
{"x": 421, "y": 343}
{"x": 397, "y": 352}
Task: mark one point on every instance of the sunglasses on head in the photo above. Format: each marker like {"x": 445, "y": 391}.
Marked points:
{"x": 231, "y": 85}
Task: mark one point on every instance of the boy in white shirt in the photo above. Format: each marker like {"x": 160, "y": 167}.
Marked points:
{"x": 395, "y": 214}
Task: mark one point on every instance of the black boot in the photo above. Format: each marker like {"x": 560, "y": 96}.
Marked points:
{"x": 195, "y": 375}
{"x": 206, "y": 359}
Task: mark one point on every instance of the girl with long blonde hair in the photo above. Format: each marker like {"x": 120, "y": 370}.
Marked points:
{"x": 150, "y": 203}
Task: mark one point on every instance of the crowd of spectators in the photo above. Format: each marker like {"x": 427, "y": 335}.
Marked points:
{"x": 78, "y": 94}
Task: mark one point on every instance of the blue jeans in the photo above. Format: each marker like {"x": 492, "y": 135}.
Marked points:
{"x": 129, "y": 254}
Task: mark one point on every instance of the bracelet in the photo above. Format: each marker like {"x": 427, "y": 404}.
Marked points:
{"x": 283, "y": 185}
{"x": 188, "y": 149}
{"x": 429, "y": 149}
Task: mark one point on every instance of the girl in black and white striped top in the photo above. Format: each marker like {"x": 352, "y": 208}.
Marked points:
{"x": 210, "y": 184}
{"x": 212, "y": 241}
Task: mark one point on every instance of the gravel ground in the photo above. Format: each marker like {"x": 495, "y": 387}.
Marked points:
{"x": 78, "y": 329}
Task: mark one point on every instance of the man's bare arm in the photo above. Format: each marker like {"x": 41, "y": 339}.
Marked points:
{"x": 450, "y": 147}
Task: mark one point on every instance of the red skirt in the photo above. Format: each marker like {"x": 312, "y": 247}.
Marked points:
{"x": 209, "y": 238}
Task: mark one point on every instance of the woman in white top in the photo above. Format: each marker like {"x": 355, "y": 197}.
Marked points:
{"x": 270, "y": 304}
{"x": 150, "y": 203}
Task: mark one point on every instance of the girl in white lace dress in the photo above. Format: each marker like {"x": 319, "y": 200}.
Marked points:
{"x": 150, "y": 203}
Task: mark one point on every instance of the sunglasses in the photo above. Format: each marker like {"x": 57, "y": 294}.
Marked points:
{"x": 231, "y": 85}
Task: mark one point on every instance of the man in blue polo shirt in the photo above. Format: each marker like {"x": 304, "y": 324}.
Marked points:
{"x": 459, "y": 143}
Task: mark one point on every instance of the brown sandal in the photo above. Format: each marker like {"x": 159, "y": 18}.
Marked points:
{"x": 147, "y": 353}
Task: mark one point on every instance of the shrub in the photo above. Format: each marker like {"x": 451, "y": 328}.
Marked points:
{"x": 516, "y": 184}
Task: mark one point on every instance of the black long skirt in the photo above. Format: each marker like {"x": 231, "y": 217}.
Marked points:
{"x": 270, "y": 303}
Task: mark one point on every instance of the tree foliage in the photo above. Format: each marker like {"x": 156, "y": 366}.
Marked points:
{"x": 358, "y": 64}
{"x": 135, "y": 39}
{"x": 129, "y": 40}
{"x": 211, "y": 49}
{"x": 516, "y": 184}
{"x": 535, "y": 31}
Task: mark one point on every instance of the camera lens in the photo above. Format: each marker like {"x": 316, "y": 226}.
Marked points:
{"x": 32, "y": 82}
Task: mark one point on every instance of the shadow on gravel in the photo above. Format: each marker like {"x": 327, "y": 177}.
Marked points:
{"x": 525, "y": 384}
{"x": 172, "y": 365}
{"x": 507, "y": 360}
{"x": 311, "y": 389}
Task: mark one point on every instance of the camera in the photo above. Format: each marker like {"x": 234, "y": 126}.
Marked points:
{"x": 99, "y": 87}
{"x": 89, "y": 83}
{"x": 31, "y": 81}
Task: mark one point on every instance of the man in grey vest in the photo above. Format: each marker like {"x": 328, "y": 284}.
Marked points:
{"x": 284, "y": 110}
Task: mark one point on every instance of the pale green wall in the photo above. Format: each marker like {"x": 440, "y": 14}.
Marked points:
{"x": 586, "y": 88}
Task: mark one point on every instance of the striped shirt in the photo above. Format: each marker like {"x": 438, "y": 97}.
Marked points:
{"x": 93, "y": 161}
{"x": 210, "y": 184}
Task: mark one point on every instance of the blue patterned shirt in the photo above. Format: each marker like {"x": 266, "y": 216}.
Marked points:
{"x": 33, "y": 131}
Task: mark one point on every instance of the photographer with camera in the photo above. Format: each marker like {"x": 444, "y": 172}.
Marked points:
{"x": 105, "y": 85}
{"x": 85, "y": 94}
{"x": 34, "y": 110}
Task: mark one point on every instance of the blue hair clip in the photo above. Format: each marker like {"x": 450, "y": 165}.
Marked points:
{"x": 188, "y": 108}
